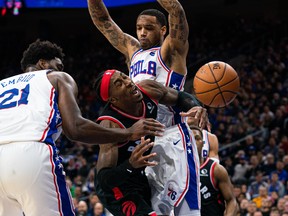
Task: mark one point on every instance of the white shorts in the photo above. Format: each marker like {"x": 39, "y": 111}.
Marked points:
{"x": 169, "y": 180}
{"x": 183, "y": 209}
{"x": 32, "y": 181}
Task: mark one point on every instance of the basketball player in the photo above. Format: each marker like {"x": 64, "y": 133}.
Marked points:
{"x": 216, "y": 189}
{"x": 210, "y": 142}
{"x": 122, "y": 185}
{"x": 156, "y": 57}
{"x": 33, "y": 108}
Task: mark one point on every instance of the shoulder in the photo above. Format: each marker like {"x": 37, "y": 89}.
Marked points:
{"x": 220, "y": 172}
{"x": 212, "y": 137}
{"x": 59, "y": 75}
{"x": 60, "y": 79}
{"x": 108, "y": 123}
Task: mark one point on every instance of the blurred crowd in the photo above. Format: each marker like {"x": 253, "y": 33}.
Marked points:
{"x": 257, "y": 164}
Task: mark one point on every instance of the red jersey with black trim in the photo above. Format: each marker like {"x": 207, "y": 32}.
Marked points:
{"x": 212, "y": 201}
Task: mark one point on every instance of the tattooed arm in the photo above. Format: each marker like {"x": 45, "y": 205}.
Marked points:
{"x": 101, "y": 18}
{"x": 175, "y": 46}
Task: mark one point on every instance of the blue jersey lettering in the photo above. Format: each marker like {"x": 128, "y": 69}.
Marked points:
{"x": 137, "y": 68}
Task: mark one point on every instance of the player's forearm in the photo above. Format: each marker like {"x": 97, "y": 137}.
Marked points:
{"x": 186, "y": 101}
{"x": 231, "y": 208}
{"x": 111, "y": 177}
{"x": 171, "y": 6}
{"x": 89, "y": 132}
{"x": 98, "y": 12}
{"x": 178, "y": 25}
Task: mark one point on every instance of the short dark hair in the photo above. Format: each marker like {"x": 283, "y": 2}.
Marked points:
{"x": 161, "y": 18}
{"x": 192, "y": 127}
{"x": 40, "y": 50}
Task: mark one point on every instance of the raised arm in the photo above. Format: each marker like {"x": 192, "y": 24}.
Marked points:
{"x": 101, "y": 18}
{"x": 176, "y": 43}
{"x": 226, "y": 188}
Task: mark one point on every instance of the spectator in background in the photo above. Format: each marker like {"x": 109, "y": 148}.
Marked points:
{"x": 254, "y": 166}
{"x": 285, "y": 162}
{"x": 229, "y": 166}
{"x": 286, "y": 207}
{"x": 253, "y": 188}
{"x": 263, "y": 194}
{"x": 252, "y": 207}
{"x": 257, "y": 213}
{"x": 243, "y": 207}
{"x": 82, "y": 209}
{"x": 266, "y": 207}
{"x": 267, "y": 115}
{"x": 281, "y": 205}
{"x": 98, "y": 209}
{"x": 274, "y": 198}
{"x": 88, "y": 185}
{"x": 272, "y": 147}
{"x": 276, "y": 185}
{"x": 269, "y": 164}
{"x": 93, "y": 199}
{"x": 282, "y": 173}
{"x": 274, "y": 212}
{"x": 250, "y": 144}
{"x": 284, "y": 144}
{"x": 236, "y": 191}
{"x": 240, "y": 170}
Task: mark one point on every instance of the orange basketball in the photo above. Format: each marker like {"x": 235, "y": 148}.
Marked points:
{"x": 216, "y": 84}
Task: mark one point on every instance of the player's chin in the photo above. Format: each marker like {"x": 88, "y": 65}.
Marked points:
{"x": 137, "y": 97}
{"x": 145, "y": 45}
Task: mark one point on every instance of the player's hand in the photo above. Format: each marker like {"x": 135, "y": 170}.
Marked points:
{"x": 137, "y": 159}
{"x": 200, "y": 115}
{"x": 145, "y": 127}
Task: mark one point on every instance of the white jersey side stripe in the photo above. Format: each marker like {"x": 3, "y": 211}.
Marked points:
{"x": 44, "y": 135}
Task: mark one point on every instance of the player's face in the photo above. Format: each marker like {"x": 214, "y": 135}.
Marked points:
{"x": 149, "y": 31}
{"x": 123, "y": 89}
{"x": 199, "y": 140}
{"x": 55, "y": 64}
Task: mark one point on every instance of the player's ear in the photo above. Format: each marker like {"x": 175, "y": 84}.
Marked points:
{"x": 163, "y": 30}
{"x": 43, "y": 64}
{"x": 112, "y": 100}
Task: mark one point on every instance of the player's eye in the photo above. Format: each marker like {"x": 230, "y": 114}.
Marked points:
{"x": 118, "y": 84}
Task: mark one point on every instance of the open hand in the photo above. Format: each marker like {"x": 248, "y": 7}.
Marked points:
{"x": 200, "y": 115}
{"x": 137, "y": 159}
{"x": 145, "y": 127}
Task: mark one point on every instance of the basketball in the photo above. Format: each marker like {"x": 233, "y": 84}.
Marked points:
{"x": 216, "y": 84}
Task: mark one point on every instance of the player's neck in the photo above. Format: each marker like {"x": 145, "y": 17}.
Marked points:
{"x": 133, "y": 110}
{"x": 202, "y": 160}
{"x": 31, "y": 69}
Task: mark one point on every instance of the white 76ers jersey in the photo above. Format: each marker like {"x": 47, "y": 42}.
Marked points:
{"x": 148, "y": 64}
{"x": 29, "y": 109}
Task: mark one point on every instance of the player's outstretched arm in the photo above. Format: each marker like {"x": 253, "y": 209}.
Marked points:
{"x": 80, "y": 129}
{"x": 101, "y": 18}
{"x": 184, "y": 101}
{"x": 226, "y": 188}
